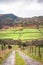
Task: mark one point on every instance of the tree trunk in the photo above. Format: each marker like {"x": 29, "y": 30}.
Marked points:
{"x": 35, "y": 50}
{"x": 39, "y": 51}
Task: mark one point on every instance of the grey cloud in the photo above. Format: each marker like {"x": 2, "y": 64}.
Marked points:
{"x": 26, "y": 1}
{"x": 7, "y": 0}
{"x": 40, "y": 1}
{"x": 1, "y": 11}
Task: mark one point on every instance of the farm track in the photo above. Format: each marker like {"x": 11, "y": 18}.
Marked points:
{"x": 10, "y": 60}
{"x": 28, "y": 60}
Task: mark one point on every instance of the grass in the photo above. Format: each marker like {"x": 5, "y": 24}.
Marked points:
{"x": 4, "y": 54}
{"x": 26, "y": 33}
{"x": 15, "y": 47}
{"x": 0, "y": 47}
{"x": 19, "y": 60}
{"x": 36, "y": 57}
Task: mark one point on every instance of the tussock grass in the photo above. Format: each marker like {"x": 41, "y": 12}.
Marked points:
{"x": 4, "y": 54}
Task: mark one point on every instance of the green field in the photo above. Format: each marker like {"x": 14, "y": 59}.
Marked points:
{"x": 24, "y": 34}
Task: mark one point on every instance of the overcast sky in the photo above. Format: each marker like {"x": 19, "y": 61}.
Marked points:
{"x": 22, "y": 8}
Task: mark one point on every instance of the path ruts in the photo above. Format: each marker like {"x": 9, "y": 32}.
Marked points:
{"x": 28, "y": 60}
{"x": 10, "y": 60}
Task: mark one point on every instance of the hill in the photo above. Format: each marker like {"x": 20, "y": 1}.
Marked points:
{"x": 10, "y": 20}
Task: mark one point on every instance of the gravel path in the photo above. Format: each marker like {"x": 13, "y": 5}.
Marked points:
{"x": 10, "y": 60}
{"x": 28, "y": 60}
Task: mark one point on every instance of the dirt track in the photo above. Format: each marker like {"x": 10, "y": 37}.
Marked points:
{"x": 10, "y": 60}
{"x": 28, "y": 60}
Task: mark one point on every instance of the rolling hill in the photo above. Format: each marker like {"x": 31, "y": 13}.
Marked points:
{"x": 9, "y": 20}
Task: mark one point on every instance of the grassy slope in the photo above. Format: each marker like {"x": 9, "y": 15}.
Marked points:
{"x": 25, "y": 34}
{"x": 19, "y": 60}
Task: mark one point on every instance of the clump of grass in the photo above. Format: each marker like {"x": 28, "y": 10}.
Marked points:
{"x": 19, "y": 60}
{"x": 4, "y": 54}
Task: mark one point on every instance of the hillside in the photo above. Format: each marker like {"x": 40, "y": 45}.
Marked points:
{"x": 10, "y": 20}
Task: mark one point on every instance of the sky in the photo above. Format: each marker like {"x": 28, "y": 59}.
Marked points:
{"x": 22, "y": 8}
